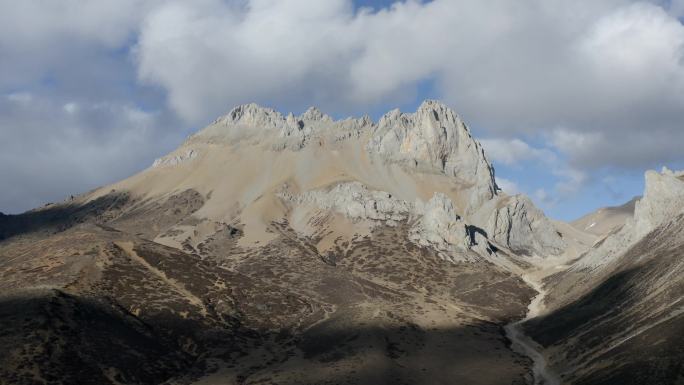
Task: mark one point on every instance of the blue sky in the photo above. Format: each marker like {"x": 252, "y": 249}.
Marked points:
{"x": 570, "y": 112}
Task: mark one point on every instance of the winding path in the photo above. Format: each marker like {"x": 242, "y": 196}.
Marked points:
{"x": 524, "y": 345}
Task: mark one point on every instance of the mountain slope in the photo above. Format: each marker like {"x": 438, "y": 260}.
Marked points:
{"x": 286, "y": 249}
{"x": 616, "y": 315}
{"x": 602, "y": 221}
{"x": 283, "y": 249}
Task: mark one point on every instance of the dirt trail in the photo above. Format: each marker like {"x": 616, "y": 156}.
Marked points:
{"x": 128, "y": 247}
{"x": 523, "y": 344}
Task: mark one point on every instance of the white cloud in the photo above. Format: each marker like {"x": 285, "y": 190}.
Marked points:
{"x": 210, "y": 56}
{"x": 513, "y": 151}
{"x": 73, "y": 148}
{"x": 40, "y": 39}
{"x": 544, "y": 198}
{"x": 572, "y": 180}
{"x": 601, "y": 80}
{"x": 607, "y": 66}
{"x": 19, "y": 97}
{"x": 507, "y": 186}
{"x": 70, "y": 108}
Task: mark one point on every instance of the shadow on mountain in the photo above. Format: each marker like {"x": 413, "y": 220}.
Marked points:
{"x": 48, "y": 336}
{"x": 54, "y": 219}
{"x": 564, "y": 322}
{"x": 654, "y": 355}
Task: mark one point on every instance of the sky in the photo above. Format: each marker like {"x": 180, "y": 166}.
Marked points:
{"x": 572, "y": 100}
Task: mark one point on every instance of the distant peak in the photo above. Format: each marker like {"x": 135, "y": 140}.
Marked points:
{"x": 251, "y": 110}
{"x": 434, "y": 138}
{"x": 431, "y": 104}
{"x": 429, "y": 109}
{"x": 438, "y": 110}
{"x": 314, "y": 114}
{"x": 252, "y": 115}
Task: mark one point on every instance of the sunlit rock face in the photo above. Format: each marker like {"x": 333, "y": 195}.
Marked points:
{"x": 663, "y": 198}
{"x": 435, "y": 139}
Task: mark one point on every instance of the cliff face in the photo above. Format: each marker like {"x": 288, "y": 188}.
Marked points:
{"x": 435, "y": 139}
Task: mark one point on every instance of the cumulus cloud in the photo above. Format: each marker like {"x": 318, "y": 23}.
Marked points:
{"x": 210, "y": 55}
{"x": 54, "y": 150}
{"x": 71, "y": 114}
{"x": 608, "y": 66}
{"x": 38, "y": 38}
{"x": 507, "y": 186}
{"x": 601, "y": 81}
{"x": 571, "y": 180}
{"x": 513, "y": 151}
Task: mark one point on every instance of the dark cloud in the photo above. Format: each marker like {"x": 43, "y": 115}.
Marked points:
{"x": 49, "y": 151}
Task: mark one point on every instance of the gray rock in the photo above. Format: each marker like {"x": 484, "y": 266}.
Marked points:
{"x": 434, "y": 139}
{"x": 431, "y": 140}
{"x": 253, "y": 124}
{"x": 663, "y": 199}
{"x": 175, "y": 159}
{"x": 253, "y": 115}
{"x": 355, "y": 201}
{"x": 440, "y": 227}
{"x": 435, "y": 223}
{"x": 516, "y": 223}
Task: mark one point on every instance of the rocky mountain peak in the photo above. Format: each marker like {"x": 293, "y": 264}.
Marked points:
{"x": 431, "y": 140}
{"x": 434, "y": 138}
{"x": 315, "y": 115}
{"x": 438, "y": 110}
{"x": 254, "y": 115}
{"x": 663, "y": 199}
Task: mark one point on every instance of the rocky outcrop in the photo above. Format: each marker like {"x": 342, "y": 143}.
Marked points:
{"x": 254, "y": 116}
{"x": 434, "y": 139}
{"x": 435, "y": 222}
{"x": 440, "y": 227}
{"x": 175, "y": 159}
{"x": 663, "y": 199}
{"x": 281, "y": 132}
{"x": 355, "y": 201}
{"x": 516, "y": 223}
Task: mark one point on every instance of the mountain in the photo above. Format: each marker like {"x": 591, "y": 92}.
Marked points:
{"x": 616, "y": 314}
{"x": 273, "y": 248}
{"x": 604, "y": 220}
